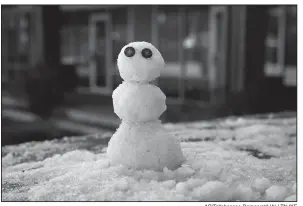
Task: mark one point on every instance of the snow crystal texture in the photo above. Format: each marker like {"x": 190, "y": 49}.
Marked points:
{"x": 144, "y": 146}
{"x": 138, "y": 102}
{"x": 245, "y": 159}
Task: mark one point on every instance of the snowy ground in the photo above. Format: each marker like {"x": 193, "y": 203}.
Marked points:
{"x": 245, "y": 159}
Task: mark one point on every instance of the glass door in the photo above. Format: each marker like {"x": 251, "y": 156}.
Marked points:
{"x": 100, "y": 47}
{"x": 217, "y": 53}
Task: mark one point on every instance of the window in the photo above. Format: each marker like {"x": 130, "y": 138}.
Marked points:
{"x": 23, "y": 38}
{"x": 169, "y": 45}
{"x": 273, "y": 42}
{"x": 15, "y": 44}
{"x": 74, "y": 49}
{"x": 185, "y": 43}
{"x": 281, "y": 44}
{"x": 290, "y": 75}
{"x": 119, "y": 39}
{"x": 196, "y": 48}
{"x": 74, "y": 44}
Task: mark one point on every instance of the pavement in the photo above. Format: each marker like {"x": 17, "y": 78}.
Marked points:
{"x": 21, "y": 125}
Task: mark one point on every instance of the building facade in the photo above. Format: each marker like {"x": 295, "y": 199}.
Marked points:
{"x": 216, "y": 56}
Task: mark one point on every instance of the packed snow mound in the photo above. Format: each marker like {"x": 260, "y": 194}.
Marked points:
{"x": 217, "y": 168}
{"x": 145, "y": 146}
{"x": 138, "y": 68}
{"x": 37, "y": 151}
{"x": 138, "y": 102}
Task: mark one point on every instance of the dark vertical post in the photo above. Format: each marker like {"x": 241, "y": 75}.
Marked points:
{"x": 47, "y": 81}
{"x": 51, "y": 20}
{"x": 235, "y": 58}
{"x": 256, "y": 29}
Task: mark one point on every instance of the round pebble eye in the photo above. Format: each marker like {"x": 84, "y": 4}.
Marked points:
{"x": 129, "y": 51}
{"x": 147, "y": 53}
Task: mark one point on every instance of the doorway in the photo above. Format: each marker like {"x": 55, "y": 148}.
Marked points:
{"x": 100, "y": 47}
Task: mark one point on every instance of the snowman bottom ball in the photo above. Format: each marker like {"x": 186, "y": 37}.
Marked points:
{"x": 145, "y": 146}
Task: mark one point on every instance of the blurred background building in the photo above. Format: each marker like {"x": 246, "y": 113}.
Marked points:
{"x": 59, "y": 63}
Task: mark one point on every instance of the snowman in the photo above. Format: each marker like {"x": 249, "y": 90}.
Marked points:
{"x": 141, "y": 141}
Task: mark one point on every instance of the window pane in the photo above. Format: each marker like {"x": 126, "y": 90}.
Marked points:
{"x": 167, "y": 20}
{"x": 119, "y": 39}
{"x": 74, "y": 50}
{"x": 4, "y": 49}
{"x": 100, "y": 55}
{"x": 67, "y": 44}
{"x": 291, "y": 37}
{"x": 23, "y": 38}
{"x": 15, "y": 45}
{"x": 271, "y": 67}
{"x": 290, "y": 77}
{"x": 83, "y": 41}
{"x": 195, "y": 45}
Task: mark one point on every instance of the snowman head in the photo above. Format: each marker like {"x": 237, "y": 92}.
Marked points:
{"x": 140, "y": 62}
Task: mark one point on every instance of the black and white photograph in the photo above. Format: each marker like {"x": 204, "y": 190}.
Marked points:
{"x": 149, "y": 102}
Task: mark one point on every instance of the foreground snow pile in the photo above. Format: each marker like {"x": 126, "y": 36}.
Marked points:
{"x": 37, "y": 151}
{"x": 228, "y": 160}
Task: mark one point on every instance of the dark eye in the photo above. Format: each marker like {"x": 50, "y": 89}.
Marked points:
{"x": 129, "y": 51}
{"x": 147, "y": 53}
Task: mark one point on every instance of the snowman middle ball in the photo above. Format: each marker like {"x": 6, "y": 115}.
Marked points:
{"x": 138, "y": 102}
{"x": 140, "y": 62}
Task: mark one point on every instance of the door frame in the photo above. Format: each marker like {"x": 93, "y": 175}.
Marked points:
{"x": 217, "y": 75}
{"x": 93, "y": 19}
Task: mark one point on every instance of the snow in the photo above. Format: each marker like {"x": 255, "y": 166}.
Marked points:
{"x": 212, "y": 190}
{"x": 243, "y": 193}
{"x": 185, "y": 171}
{"x": 261, "y": 184}
{"x": 144, "y": 146}
{"x": 291, "y": 198}
{"x": 169, "y": 184}
{"x": 216, "y": 168}
{"x": 294, "y": 188}
{"x": 145, "y": 102}
{"x": 181, "y": 187}
{"x": 276, "y": 193}
{"x": 37, "y": 151}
